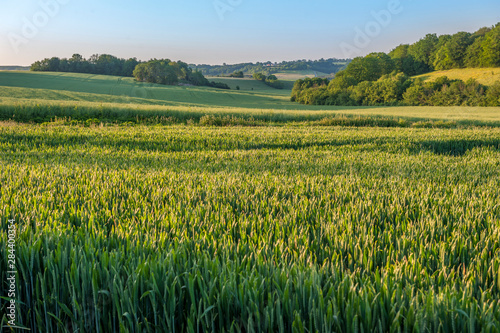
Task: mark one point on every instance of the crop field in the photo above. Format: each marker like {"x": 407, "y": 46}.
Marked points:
{"x": 259, "y": 229}
{"x": 146, "y": 208}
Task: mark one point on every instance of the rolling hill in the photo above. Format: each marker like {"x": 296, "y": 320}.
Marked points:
{"x": 486, "y": 76}
{"x": 105, "y": 88}
{"x": 45, "y": 95}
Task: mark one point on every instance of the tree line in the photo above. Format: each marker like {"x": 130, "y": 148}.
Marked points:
{"x": 396, "y": 89}
{"x": 385, "y": 79}
{"x": 461, "y": 50}
{"x": 103, "y": 64}
{"x": 163, "y": 71}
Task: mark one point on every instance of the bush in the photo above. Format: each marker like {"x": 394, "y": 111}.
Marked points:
{"x": 493, "y": 95}
{"x": 219, "y": 85}
{"x": 396, "y": 89}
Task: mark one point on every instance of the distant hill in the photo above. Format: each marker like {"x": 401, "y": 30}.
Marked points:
{"x": 247, "y": 83}
{"x": 75, "y": 87}
{"x": 486, "y": 76}
{"x": 14, "y": 68}
{"x": 327, "y": 67}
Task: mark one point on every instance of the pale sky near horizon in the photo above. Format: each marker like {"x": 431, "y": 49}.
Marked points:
{"x": 227, "y": 31}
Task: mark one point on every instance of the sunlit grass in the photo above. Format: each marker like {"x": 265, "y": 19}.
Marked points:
{"x": 266, "y": 229}
{"x": 486, "y": 76}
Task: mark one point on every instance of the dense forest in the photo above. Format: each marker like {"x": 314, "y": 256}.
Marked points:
{"x": 327, "y": 66}
{"x": 385, "y": 79}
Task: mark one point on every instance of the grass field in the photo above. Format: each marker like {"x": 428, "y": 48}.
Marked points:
{"x": 250, "y": 84}
{"x": 28, "y": 96}
{"x": 271, "y": 229}
{"x": 140, "y": 210}
{"x": 486, "y": 76}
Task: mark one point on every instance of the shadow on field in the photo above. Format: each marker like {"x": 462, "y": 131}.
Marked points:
{"x": 457, "y": 147}
{"x": 450, "y": 147}
{"x": 179, "y": 143}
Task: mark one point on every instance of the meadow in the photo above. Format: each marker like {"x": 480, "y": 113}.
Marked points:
{"x": 486, "y": 76}
{"x": 42, "y": 97}
{"x": 219, "y": 213}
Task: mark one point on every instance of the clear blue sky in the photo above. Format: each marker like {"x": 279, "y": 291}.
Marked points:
{"x": 230, "y": 31}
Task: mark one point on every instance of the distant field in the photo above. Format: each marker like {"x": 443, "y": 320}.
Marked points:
{"x": 102, "y": 88}
{"x": 296, "y": 75}
{"x": 250, "y": 84}
{"x": 14, "y": 68}
{"x": 486, "y": 76}
{"x": 46, "y": 95}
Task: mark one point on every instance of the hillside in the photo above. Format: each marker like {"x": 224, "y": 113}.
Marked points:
{"x": 328, "y": 66}
{"x": 14, "y": 68}
{"x": 250, "y": 84}
{"x": 113, "y": 89}
{"x": 42, "y": 95}
{"x": 486, "y": 76}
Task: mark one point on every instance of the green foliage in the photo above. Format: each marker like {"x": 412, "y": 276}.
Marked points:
{"x": 369, "y": 68}
{"x": 388, "y": 90}
{"x": 365, "y": 81}
{"x": 406, "y": 63}
{"x": 329, "y": 66}
{"x": 493, "y": 95}
{"x": 259, "y": 77}
{"x": 219, "y": 85}
{"x": 423, "y": 51}
{"x": 157, "y": 71}
{"x": 490, "y": 56}
{"x": 474, "y": 53}
{"x": 398, "y": 89}
{"x": 445, "y": 92}
{"x": 452, "y": 51}
{"x": 237, "y": 74}
{"x": 171, "y": 73}
{"x": 178, "y": 229}
{"x": 104, "y": 64}
{"x": 301, "y": 85}
{"x": 463, "y": 49}
{"x": 270, "y": 80}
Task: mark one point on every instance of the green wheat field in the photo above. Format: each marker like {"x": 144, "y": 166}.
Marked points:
{"x": 144, "y": 208}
